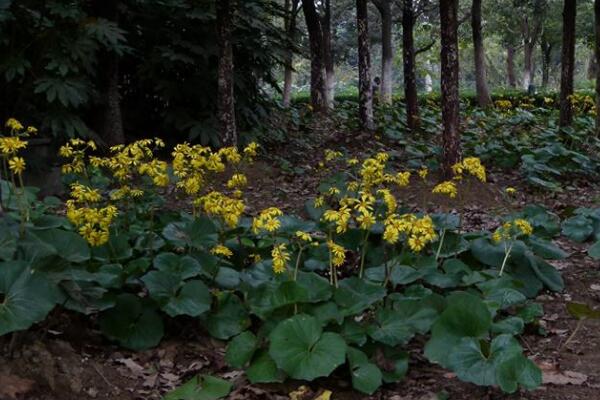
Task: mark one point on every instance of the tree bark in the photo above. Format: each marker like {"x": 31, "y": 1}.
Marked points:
{"x": 546, "y": 48}
{"x": 328, "y": 56}
{"x": 483, "y": 94}
{"x": 387, "y": 50}
{"x": 527, "y": 65}
{"x": 225, "y": 82}
{"x": 111, "y": 120}
{"x": 291, "y": 7}
{"x": 408, "y": 60}
{"x": 365, "y": 93}
{"x": 510, "y": 66}
{"x": 597, "y": 53}
{"x": 567, "y": 62}
{"x": 315, "y": 37}
{"x": 531, "y": 32}
{"x": 449, "y": 84}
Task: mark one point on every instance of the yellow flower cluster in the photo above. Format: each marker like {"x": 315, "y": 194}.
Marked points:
{"x": 221, "y": 250}
{"x": 304, "y": 236}
{"x": 280, "y": 258}
{"x": 340, "y": 217}
{"x": 512, "y": 229}
{"x": 217, "y": 204}
{"x": 504, "y": 105}
{"x": 11, "y": 145}
{"x": 16, "y": 165}
{"x": 448, "y": 188}
{"x": 419, "y": 231}
{"x": 267, "y": 220}
{"x": 337, "y": 253}
{"x": 473, "y": 166}
{"x": 75, "y": 150}
{"x": 331, "y": 155}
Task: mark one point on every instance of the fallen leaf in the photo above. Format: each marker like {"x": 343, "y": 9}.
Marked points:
{"x": 326, "y": 395}
{"x": 551, "y": 375}
{"x": 12, "y": 386}
{"x": 595, "y": 287}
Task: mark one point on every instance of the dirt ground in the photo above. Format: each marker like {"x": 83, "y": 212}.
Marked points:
{"x": 66, "y": 358}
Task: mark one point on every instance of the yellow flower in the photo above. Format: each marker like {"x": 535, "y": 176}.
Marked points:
{"x": 319, "y": 202}
{"x": 11, "y": 145}
{"x": 423, "y": 173}
{"x": 304, "y": 236}
{"x": 237, "y": 181}
{"x": 366, "y": 220}
{"x": 351, "y": 162}
{"x": 251, "y": 149}
{"x": 403, "y": 178}
{"x": 524, "y": 226}
{"x": 14, "y": 125}
{"x": 331, "y": 155}
{"x": 16, "y": 165}
{"x": 221, "y": 250}
{"x": 267, "y": 220}
{"x": 510, "y": 190}
{"x": 337, "y": 253}
{"x": 447, "y": 188}
{"x": 280, "y": 258}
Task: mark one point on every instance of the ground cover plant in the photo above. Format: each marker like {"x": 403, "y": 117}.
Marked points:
{"x": 352, "y": 285}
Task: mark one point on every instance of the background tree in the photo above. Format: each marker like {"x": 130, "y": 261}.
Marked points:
{"x": 291, "y": 15}
{"x": 317, "y": 62}
{"x": 449, "y": 85}
{"x": 365, "y": 93}
{"x": 483, "y": 93}
{"x": 225, "y": 95}
{"x": 597, "y": 51}
{"x": 387, "y": 50}
{"x": 408, "y": 60}
{"x": 567, "y": 62}
{"x": 328, "y": 58}
{"x": 531, "y": 27}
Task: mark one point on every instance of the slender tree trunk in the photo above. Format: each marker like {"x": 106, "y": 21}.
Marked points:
{"x": 449, "y": 83}
{"x": 408, "y": 59}
{"x": 510, "y": 66}
{"x": 546, "y": 48}
{"x": 567, "y": 62}
{"x": 328, "y": 56}
{"x": 597, "y": 53}
{"x": 291, "y": 8}
{"x": 483, "y": 94}
{"x": 387, "y": 50}
{"x": 225, "y": 96}
{"x": 527, "y": 65}
{"x": 592, "y": 66}
{"x": 111, "y": 120}
{"x": 365, "y": 93}
{"x": 317, "y": 66}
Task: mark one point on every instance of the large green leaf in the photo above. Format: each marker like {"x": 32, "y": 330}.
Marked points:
{"x": 69, "y": 245}
{"x": 355, "y": 295}
{"x": 578, "y": 228}
{"x": 8, "y": 241}
{"x": 183, "y": 266}
{"x": 229, "y": 318}
{"x": 26, "y": 296}
{"x": 397, "y": 326}
{"x": 518, "y": 370}
{"x": 465, "y": 316}
{"x": 240, "y": 349}
{"x": 201, "y": 387}
{"x": 199, "y": 233}
{"x": 134, "y": 324}
{"x": 366, "y": 377}
{"x": 264, "y": 370}
{"x": 594, "y": 251}
{"x": 301, "y": 349}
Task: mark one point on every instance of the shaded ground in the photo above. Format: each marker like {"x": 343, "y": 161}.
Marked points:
{"x": 66, "y": 358}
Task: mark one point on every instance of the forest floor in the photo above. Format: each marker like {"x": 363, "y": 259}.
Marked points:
{"x": 66, "y": 358}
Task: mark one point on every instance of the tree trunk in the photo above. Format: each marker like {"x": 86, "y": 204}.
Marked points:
{"x": 546, "y": 48}
{"x": 365, "y": 94}
{"x": 597, "y": 53}
{"x": 315, "y": 37}
{"x": 328, "y": 56}
{"x": 592, "y": 66}
{"x": 449, "y": 83}
{"x": 225, "y": 82}
{"x": 527, "y": 65}
{"x": 387, "y": 50}
{"x": 483, "y": 93}
{"x": 110, "y": 124}
{"x": 510, "y": 66}
{"x": 291, "y": 8}
{"x": 408, "y": 60}
{"x": 567, "y": 62}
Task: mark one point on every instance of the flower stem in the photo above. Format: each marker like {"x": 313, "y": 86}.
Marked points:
{"x": 439, "y": 249}
{"x": 505, "y": 259}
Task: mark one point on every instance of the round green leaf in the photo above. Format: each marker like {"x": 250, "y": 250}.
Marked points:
{"x": 240, "y": 349}
{"x": 303, "y": 351}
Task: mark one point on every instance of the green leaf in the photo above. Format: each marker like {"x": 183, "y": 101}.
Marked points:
{"x": 366, "y": 377}
{"x": 199, "y": 233}
{"x": 264, "y": 370}
{"x": 398, "y": 326}
{"x": 301, "y": 349}
{"x": 27, "y": 296}
{"x": 135, "y": 325}
{"x": 546, "y": 249}
{"x": 201, "y": 387}
{"x": 8, "y": 242}
{"x": 465, "y": 316}
{"x": 183, "y": 266}
{"x": 578, "y": 228}
{"x": 518, "y": 370}
{"x": 355, "y": 295}
{"x": 510, "y": 325}
{"x": 69, "y": 245}
{"x": 229, "y": 318}
{"x": 241, "y": 349}
{"x": 594, "y": 251}
{"x": 546, "y": 273}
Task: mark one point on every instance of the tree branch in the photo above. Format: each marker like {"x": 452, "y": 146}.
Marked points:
{"x": 425, "y": 48}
